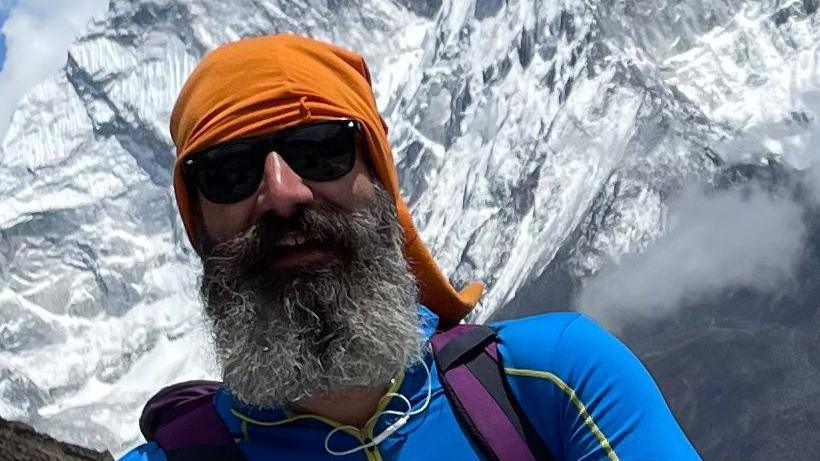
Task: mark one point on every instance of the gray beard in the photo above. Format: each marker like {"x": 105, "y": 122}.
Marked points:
{"x": 282, "y": 336}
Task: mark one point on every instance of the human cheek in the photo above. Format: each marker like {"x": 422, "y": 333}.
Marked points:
{"x": 363, "y": 188}
{"x": 223, "y": 222}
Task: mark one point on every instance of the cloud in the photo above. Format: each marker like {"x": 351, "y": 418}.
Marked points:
{"x": 38, "y": 35}
{"x": 719, "y": 240}
{"x": 743, "y": 237}
{"x": 813, "y": 180}
{"x": 793, "y": 139}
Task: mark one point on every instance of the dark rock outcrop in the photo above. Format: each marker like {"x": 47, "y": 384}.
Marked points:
{"x": 20, "y": 442}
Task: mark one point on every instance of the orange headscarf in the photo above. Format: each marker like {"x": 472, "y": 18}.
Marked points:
{"x": 260, "y": 85}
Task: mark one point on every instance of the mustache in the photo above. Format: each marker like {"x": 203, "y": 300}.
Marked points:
{"x": 320, "y": 223}
{"x": 243, "y": 260}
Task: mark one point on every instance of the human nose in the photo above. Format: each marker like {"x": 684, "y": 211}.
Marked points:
{"x": 282, "y": 190}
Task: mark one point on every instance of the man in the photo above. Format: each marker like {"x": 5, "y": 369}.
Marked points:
{"x": 322, "y": 298}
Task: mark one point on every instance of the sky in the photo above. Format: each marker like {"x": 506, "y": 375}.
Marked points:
{"x": 36, "y": 37}
{"x": 4, "y": 14}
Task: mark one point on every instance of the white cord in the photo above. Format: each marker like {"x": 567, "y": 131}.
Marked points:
{"x": 389, "y": 430}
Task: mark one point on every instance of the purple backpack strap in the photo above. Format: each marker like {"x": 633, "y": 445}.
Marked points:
{"x": 183, "y": 421}
{"x": 473, "y": 377}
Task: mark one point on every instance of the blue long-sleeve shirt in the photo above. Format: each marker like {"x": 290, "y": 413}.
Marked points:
{"x": 585, "y": 393}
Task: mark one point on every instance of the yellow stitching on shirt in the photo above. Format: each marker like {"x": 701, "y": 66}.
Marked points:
{"x": 573, "y": 397}
{"x": 245, "y": 430}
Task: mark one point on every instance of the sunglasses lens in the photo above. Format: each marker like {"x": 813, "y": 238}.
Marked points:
{"x": 319, "y": 152}
{"x": 231, "y": 172}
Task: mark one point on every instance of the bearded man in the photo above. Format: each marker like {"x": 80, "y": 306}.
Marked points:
{"x": 322, "y": 299}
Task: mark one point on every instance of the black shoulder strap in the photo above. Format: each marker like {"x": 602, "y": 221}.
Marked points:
{"x": 473, "y": 378}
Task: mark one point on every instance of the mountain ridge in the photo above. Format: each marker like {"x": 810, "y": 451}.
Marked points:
{"x": 540, "y": 145}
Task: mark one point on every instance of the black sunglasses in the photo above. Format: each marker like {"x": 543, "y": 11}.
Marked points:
{"x": 231, "y": 171}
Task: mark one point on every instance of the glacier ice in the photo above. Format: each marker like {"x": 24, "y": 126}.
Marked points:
{"x": 538, "y": 142}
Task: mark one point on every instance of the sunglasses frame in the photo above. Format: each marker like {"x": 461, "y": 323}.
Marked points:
{"x": 193, "y": 162}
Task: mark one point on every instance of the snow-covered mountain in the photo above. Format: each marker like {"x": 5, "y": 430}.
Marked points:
{"x": 648, "y": 162}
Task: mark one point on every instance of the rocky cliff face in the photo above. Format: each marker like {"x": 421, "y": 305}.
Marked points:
{"x": 547, "y": 148}
{"x": 20, "y": 442}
